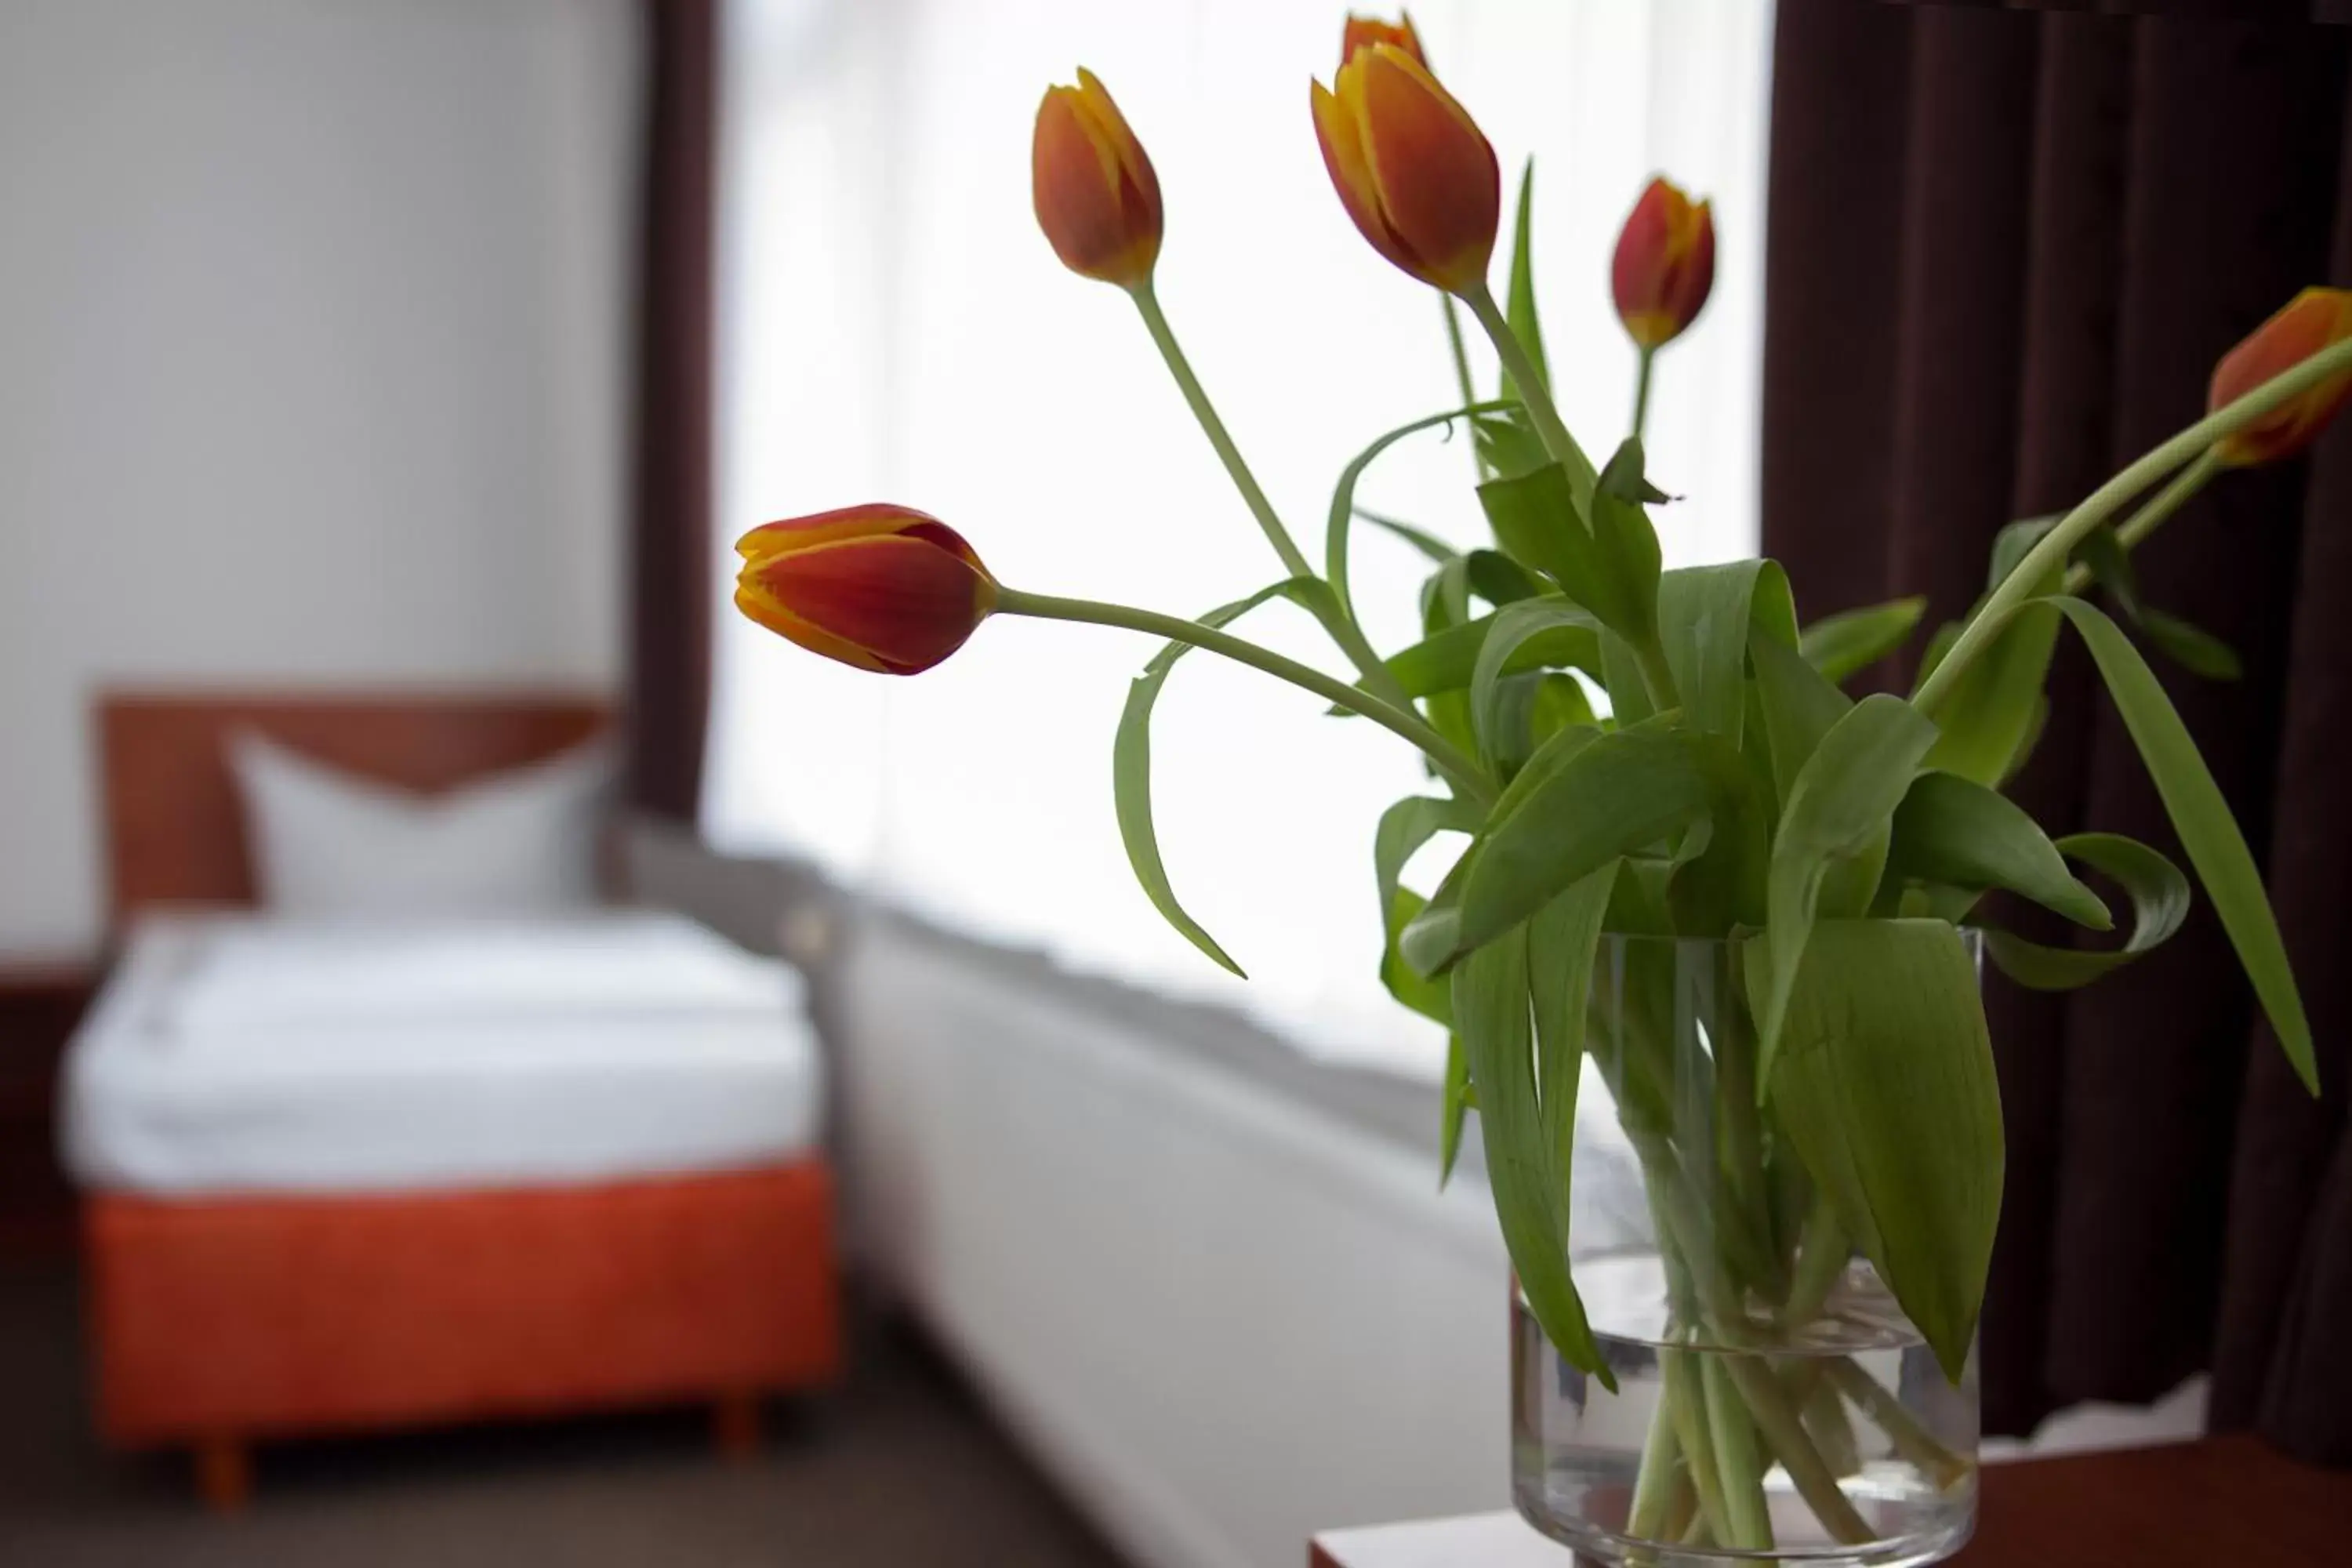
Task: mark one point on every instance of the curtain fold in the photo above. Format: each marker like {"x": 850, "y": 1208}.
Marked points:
{"x": 2005, "y": 252}
{"x": 670, "y": 543}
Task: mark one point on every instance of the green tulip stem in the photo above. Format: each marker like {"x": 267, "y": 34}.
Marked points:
{"x": 1462, "y": 378}
{"x": 1463, "y": 774}
{"x": 2106, "y": 500}
{"x": 1525, "y": 380}
{"x": 2151, "y": 517}
{"x": 1337, "y": 620}
{"x": 1147, "y": 304}
{"x": 1642, "y": 392}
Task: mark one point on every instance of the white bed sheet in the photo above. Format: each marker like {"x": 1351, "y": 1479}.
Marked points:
{"x": 236, "y": 1053}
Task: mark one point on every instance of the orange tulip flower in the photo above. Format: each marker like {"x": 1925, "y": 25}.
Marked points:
{"x": 882, "y": 587}
{"x": 2309, "y": 322}
{"x": 1097, "y": 197}
{"x": 1664, "y": 264}
{"x": 1363, "y": 32}
{"x": 1411, "y": 166}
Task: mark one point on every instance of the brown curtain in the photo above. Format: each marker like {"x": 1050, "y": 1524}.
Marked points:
{"x": 2005, "y": 251}
{"x": 670, "y": 555}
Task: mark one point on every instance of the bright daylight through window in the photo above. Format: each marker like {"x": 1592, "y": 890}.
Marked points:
{"x": 893, "y": 325}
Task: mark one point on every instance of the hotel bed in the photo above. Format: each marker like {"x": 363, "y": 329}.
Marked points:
{"x": 347, "y": 1173}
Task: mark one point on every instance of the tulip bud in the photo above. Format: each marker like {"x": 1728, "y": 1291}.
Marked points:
{"x": 885, "y": 588}
{"x": 1411, "y": 166}
{"x": 1363, "y": 32}
{"x": 1664, "y": 264}
{"x": 2310, "y": 322}
{"x": 1097, "y": 197}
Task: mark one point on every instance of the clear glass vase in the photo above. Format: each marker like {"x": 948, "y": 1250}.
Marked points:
{"x": 1772, "y": 1401}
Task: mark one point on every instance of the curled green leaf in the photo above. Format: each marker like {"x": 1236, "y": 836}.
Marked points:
{"x": 1131, "y": 766}
{"x": 2159, "y": 899}
{"x": 1957, "y": 832}
{"x": 1845, "y": 644}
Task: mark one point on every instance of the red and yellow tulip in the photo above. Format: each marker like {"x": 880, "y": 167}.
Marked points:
{"x": 1097, "y": 197}
{"x": 1411, "y": 166}
{"x": 2309, "y": 322}
{"x": 1364, "y": 32}
{"x": 882, "y": 587}
{"x": 1664, "y": 264}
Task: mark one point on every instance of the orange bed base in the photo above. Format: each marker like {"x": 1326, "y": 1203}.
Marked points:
{"x": 219, "y": 1320}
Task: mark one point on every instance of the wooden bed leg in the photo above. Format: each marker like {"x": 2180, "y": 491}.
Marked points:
{"x": 224, "y": 1474}
{"x": 735, "y": 1425}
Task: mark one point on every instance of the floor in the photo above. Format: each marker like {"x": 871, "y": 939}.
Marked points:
{"x": 900, "y": 1468}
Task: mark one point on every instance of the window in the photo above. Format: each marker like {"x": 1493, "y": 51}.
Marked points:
{"x": 894, "y": 327}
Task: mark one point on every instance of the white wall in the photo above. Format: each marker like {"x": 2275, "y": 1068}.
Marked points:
{"x": 312, "y": 342}
{"x": 1222, "y": 1318}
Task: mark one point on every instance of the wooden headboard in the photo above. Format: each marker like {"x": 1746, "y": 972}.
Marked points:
{"x": 175, "y": 829}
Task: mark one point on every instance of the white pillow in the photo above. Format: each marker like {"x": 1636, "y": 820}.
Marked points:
{"x": 327, "y": 842}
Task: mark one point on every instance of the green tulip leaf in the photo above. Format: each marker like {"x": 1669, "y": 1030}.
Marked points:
{"x": 1445, "y": 607}
{"x": 2013, "y": 543}
{"x": 1454, "y": 1105}
{"x": 1704, "y": 612}
{"x": 1499, "y": 580}
{"x": 1432, "y": 999}
{"x": 2160, "y": 900}
{"x": 1844, "y": 645}
{"x": 1525, "y": 1078}
{"x": 1404, "y": 827}
{"x": 1509, "y": 445}
{"x": 2193, "y": 649}
{"x": 1511, "y": 629}
{"x": 1432, "y": 937}
{"x": 2111, "y": 569}
{"x": 1838, "y": 815}
{"x": 1957, "y": 832}
{"x": 1608, "y": 562}
{"x": 1428, "y": 543}
{"x": 1719, "y": 875}
{"x": 1621, "y": 677}
{"x": 1885, "y": 1085}
{"x": 2209, "y": 834}
{"x": 1798, "y": 705}
{"x": 1131, "y": 764}
{"x": 1624, "y": 477}
{"x": 1519, "y": 302}
{"x": 1559, "y": 704}
{"x": 1582, "y": 801}
{"x": 1562, "y": 940}
{"x": 1994, "y": 712}
{"x": 1447, "y": 660}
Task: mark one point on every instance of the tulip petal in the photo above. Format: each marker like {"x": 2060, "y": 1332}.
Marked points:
{"x": 1338, "y": 129}
{"x": 863, "y": 522}
{"x": 2306, "y": 324}
{"x": 1141, "y": 183}
{"x": 903, "y": 601}
{"x": 760, "y": 607}
{"x": 1439, "y": 187}
{"x": 1663, "y": 266}
{"x": 1367, "y": 32}
{"x": 1095, "y": 193}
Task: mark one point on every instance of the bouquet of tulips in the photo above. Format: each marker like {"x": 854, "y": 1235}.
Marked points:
{"x": 1635, "y": 752}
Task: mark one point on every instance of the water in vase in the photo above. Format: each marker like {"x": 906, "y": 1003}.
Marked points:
{"x": 1838, "y": 1443}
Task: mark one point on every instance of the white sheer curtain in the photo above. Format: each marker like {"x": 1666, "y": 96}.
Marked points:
{"x": 894, "y": 328}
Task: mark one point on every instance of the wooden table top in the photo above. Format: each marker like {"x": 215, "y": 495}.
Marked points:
{"x": 2221, "y": 1499}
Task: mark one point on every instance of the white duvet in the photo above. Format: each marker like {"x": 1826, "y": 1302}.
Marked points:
{"x": 237, "y": 1054}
